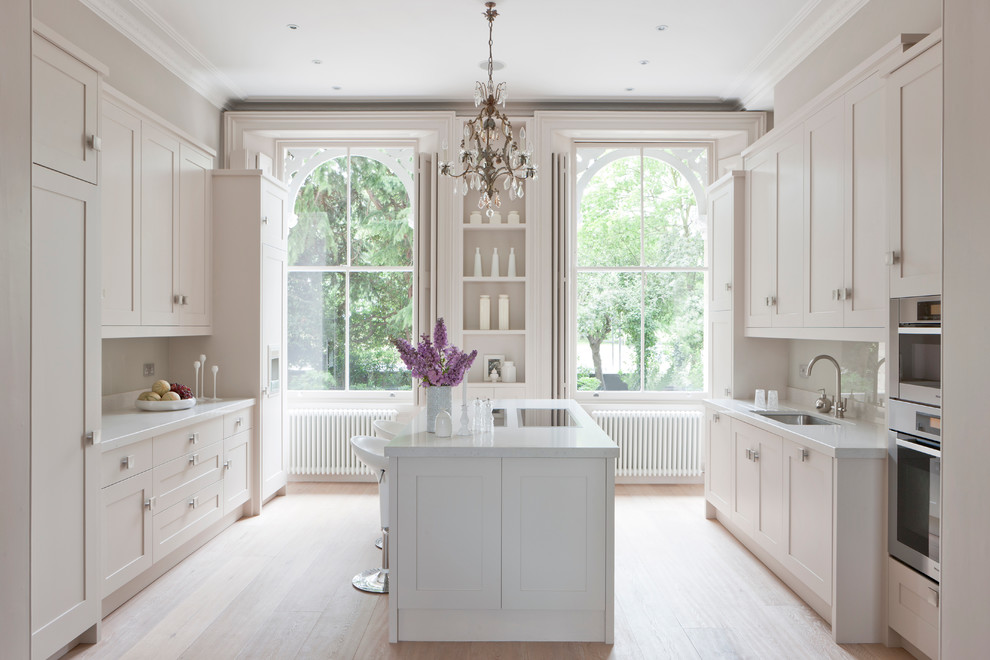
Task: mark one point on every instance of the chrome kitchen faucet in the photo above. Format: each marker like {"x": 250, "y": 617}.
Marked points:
{"x": 839, "y": 407}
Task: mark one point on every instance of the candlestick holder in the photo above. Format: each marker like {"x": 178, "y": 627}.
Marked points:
{"x": 215, "y": 369}
{"x": 465, "y": 428}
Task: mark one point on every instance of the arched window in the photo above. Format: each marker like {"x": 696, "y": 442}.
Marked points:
{"x": 640, "y": 267}
{"x": 350, "y": 267}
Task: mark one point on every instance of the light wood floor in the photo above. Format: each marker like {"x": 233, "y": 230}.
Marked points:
{"x": 279, "y": 586}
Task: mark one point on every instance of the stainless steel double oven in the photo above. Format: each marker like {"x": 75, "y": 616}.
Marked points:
{"x": 915, "y": 439}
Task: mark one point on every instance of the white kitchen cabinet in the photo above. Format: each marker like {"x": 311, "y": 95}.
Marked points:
{"x": 126, "y": 523}
{"x": 718, "y": 467}
{"x": 274, "y": 436}
{"x": 720, "y": 330}
{"x": 760, "y": 252}
{"x": 787, "y": 246}
{"x": 807, "y": 546}
{"x": 182, "y": 521}
{"x": 120, "y": 185}
{"x": 758, "y": 505}
{"x": 914, "y": 174}
{"x": 237, "y": 450}
{"x": 722, "y": 215}
{"x": 745, "y": 500}
{"x": 65, "y": 107}
{"x": 65, "y": 356}
{"x": 157, "y": 235}
{"x": 824, "y": 134}
{"x": 547, "y": 504}
{"x": 274, "y": 217}
{"x": 913, "y": 607}
{"x": 454, "y": 509}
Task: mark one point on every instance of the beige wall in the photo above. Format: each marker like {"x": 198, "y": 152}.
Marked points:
{"x": 867, "y": 31}
{"x": 15, "y": 328}
{"x": 133, "y": 71}
{"x": 124, "y": 360}
{"x": 965, "y": 360}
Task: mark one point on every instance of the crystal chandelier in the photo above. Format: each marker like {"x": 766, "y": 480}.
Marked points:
{"x": 489, "y": 153}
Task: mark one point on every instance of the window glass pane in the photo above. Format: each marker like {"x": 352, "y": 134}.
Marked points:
{"x": 675, "y": 322}
{"x": 608, "y": 318}
{"x": 381, "y": 308}
{"x": 674, "y": 231}
{"x": 381, "y": 209}
{"x": 609, "y": 208}
{"x": 319, "y": 235}
{"x": 315, "y": 342}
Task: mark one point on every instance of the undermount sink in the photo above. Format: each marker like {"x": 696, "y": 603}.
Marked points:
{"x": 795, "y": 418}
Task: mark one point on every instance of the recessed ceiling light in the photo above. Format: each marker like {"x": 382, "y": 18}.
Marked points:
{"x": 496, "y": 65}
{"x": 661, "y": 28}
{"x": 317, "y": 61}
{"x": 629, "y": 89}
{"x": 644, "y": 62}
{"x": 336, "y": 88}
{"x": 292, "y": 26}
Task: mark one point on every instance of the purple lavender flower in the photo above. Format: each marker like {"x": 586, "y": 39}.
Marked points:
{"x": 435, "y": 362}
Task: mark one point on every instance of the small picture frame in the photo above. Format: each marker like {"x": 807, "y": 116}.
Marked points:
{"x": 493, "y": 362}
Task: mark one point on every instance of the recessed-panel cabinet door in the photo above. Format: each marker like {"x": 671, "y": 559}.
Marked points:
{"x": 195, "y": 240}
{"x": 65, "y": 357}
{"x": 788, "y": 231}
{"x": 126, "y": 550}
{"x": 769, "y": 526}
{"x": 721, "y": 217}
{"x": 273, "y": 421}
{"x": 746, "y": 482}
{"x": 159, "y": 215}
{"x": 719, "y": 465}
{"x": 274, "y": 225}
{"x": 760, "y": 220}
{"x": 807, "y": 547}
{"x": 720, "y": 340}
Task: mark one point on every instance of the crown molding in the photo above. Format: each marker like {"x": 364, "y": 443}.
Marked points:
{"x": 149, "y": 32}
{"x": 796, "y": 41}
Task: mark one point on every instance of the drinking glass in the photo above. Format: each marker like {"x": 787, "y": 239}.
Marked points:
{"x": 761, "y": 399}
{"x": 772, "y": 400}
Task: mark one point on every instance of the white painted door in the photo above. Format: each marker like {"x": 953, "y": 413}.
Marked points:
{"x": 274, "y": 220}
{"x": 770, "y": 524}
{"x": 865, "y": 215}
{"x": 549, "y": 505}
{"x": 824, "y": 217}
{"x": 159, "y": 218}
{"x": 120, "y": 191}
{"x": 65, "y": 358}
{"x": 914, "y": 142}
{"x": 721, "y": 217}
{"x": 237, "y": 470}
{"x": 718, "y": 467}
{"x": 126, "y": 534}
{"x": 807, "y": 546}
{"x": 745, "y": 498}
{"x": 273, "y": 420}
{"x": 64, "y": 111}
{"x": 195, "y": 240}
{"x": 787, "y": 247}
{"x": 720, "y": 353}
{"x": 760, "y": 219}
{"x": 450, "y": 533}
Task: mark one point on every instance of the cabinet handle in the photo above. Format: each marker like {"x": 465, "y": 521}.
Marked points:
{"x": 237, "y": 421}
{"x": 264, "y": 220}
{"x": 804, "y": 455}
{"x": 193, "y": 503}
{"x": 728, "y": 392}
{"x": 227, "y": 464}
{"x": 127, "y": 462}
{"x": 715, "y": 418}
{"x": 749, "y": 454}
{"x": 91, "y": 437}
{"x": 728, "y": 286}
{"x": 892, "y": 258}
{"x": 771, "y": 301}
{"x": 194, "y": 438}
{"x": 756, "y": 456}
{"x": 95, "y": 143}
{"x": 147, "y": 504}
{"x": 194, "y": 459}
{"x": 177, "y": 299}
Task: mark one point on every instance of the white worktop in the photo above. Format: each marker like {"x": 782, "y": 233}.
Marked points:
{"x": 586, "y": 440}
{"x": 847, "y": 438}
{"x": 124, "y": 426}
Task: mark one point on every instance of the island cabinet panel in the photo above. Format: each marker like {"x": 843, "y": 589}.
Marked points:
{"x": 452, "y": 508}
{"x": 549, "y": 504}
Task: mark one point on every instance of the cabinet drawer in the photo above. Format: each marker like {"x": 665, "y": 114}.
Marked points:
{"x": 184, "y": 520}
{"x": 913, "y": 607}
{"x": 236, "y": 470}
{"x": 179, "y": 443}
{"x": 235, "y": 422}
{"x": 183, "y": 476}
{"x": 119, "y": 464}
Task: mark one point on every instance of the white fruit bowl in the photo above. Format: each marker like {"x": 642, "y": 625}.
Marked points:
{"x": 161, "y": 406}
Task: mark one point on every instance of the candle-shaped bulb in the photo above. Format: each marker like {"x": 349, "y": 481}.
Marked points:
{"x": 214, "y": 369}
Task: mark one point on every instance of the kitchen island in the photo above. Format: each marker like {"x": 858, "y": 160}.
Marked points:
{"x": 504, "y": 536}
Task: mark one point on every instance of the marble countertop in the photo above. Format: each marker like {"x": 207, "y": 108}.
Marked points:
{"x": 847, "y": 438}
{"x": 585, "y": 440}
{"x": 124, "y": 426}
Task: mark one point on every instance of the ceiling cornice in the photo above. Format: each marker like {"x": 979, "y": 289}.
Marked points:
{"x": 149, "y": 32}
{"x": 799, "y": 38}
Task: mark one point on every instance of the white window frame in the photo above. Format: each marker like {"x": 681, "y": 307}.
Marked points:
{"x": 632, "y": 396}
{"x": 347, "y": 394}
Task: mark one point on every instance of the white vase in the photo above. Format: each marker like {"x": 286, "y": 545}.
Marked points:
{"x": 443, "y": 424}
{"x": 496, "y": 218}
{"x": 485, "y": 313}
{"x": 437, "y": 399}
{"x": 477, "y": 262}
{"x": 508, "y": 371}
{"x": 513, "y": 217}
{"x": 495, "y": 267}
{"x": 475, "y": 218}
{"x": 503, "y": 311}
{"x": 511, "y": 271}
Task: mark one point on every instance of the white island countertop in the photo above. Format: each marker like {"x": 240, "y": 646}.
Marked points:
{"x": 529, "y": 431}
{"x": 129, "y": 425}
{"x": 846, "y": 438}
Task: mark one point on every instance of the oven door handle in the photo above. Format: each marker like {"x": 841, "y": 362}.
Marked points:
{"x": 914, "y": 446}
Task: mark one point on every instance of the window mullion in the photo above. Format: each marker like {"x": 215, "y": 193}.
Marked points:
{"x": 347, "y": 283}
{"x": 642, "y": 276}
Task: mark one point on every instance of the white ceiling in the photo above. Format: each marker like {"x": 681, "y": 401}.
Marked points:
{"x": 429, "y": 50}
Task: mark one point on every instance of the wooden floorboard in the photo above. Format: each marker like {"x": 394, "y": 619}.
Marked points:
{"x": 278, "y": 586}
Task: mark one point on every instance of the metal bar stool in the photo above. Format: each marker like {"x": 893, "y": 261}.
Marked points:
{"x": 371, "y": 452}
{"x": 387, "y": 430}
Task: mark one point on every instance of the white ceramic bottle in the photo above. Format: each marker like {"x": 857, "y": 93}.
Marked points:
{"x": 503, "y": 311}
{"x": 485, "y": 313}
{"x": 511, "y": 270}
{"x": 496, "y": 218}
{"x": 495, "y": 267}
{"x": 513, "y": 217}
{"x": 508, "y": 371}
{"x": 475, "y": 217}
{"x": 477, "y": 262}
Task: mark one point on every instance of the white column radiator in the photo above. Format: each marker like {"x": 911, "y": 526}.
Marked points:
{"x": 319, "y": 440}
{"x": 658, "y": 446}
